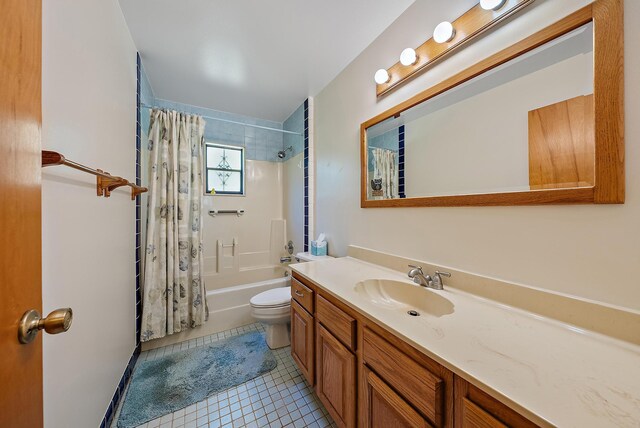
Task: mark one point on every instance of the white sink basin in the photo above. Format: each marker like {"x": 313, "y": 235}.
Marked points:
{"x": 404, "y": 296}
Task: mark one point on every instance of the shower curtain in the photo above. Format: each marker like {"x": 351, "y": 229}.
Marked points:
{"x": 174, "y": 291}
{"x": 385, "y": 168}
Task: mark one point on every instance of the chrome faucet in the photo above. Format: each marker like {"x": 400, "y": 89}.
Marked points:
{"x": 285, "y": 259}
{"x": 419, "y": 277}
{"x": 437, "y": 279}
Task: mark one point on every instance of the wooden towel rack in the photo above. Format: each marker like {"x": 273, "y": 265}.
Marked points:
{"x": 105, "y": 183}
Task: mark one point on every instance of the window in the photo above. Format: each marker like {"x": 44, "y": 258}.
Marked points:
{"x": 224, "y": 169}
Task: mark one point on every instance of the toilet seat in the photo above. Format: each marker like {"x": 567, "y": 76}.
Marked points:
{"x": 275, "y": 298}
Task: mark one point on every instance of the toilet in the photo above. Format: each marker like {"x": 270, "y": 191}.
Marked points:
{"x": 273, "y": 308}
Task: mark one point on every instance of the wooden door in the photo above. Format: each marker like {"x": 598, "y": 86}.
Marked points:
{"x": 20, "y": 242}
{"x": 302, "y": 340}
{"x": 336, "y": 378}
{"x": 562, "y": 147}
{"x": 383, "y": 408}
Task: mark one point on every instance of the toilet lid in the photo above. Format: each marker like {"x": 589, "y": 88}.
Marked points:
{"x": 280, "y": 296}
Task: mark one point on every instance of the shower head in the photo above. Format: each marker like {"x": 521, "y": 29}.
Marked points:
{"x": 283, "y": 153}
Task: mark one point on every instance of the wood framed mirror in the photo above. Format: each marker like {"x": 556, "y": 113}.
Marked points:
{"x": 540, "y": 122}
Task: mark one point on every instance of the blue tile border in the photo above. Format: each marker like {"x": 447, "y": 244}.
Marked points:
{"x": 119, "y": 393}
{"x": 126, "y": 376}
{"x": 401, "y": 189}
{"x": 138, "y": 202}
{"x": 306, "y": 175}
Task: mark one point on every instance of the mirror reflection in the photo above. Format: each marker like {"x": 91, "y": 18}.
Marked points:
{"x": 526, "y": 125}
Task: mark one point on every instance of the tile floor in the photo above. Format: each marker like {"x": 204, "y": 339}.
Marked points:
{"x": 280, "y": 398}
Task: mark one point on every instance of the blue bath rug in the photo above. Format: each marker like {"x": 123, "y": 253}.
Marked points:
{"x": 178, "y": 380}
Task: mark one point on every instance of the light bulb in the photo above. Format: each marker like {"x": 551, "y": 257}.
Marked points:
{"x": 381, "y": 76}
{"x": 444, "y": 32}
{"x": 492, "y": 4}
{"x": 408, "y": 57}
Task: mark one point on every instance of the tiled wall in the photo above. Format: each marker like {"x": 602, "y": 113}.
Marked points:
{"x": 260, "y": 144}
{"x": 307, "y": 183}
{"x": 401, "y": 185}
{"x": 294, "y": 123}
{"x": 388, "y": 140}
{"x": 294, "y": 189}
{"x": 140, "y": 73}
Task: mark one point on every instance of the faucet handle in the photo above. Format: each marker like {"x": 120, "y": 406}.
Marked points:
{"x": 437, "y": 279}
{"x": 418, "y": 268}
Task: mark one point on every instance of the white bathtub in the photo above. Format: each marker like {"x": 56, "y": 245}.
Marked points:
{"x": 229, "y": 307}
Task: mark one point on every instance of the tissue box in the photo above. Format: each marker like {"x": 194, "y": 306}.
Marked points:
{"x": 318, "y": 248}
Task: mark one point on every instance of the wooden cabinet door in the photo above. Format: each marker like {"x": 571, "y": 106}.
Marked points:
{"x": 422, "y": 388}
{"x": 383, "y": 408}
{"x": 474, "y": 408}
{"x": 302, "y": 340}
{"x": 20, "y": 210}
{"x": 474, "y": 416}
{"x": 336, "y": 378}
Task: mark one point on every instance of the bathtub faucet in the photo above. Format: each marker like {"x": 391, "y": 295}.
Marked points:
{"x": 285, "y": 259}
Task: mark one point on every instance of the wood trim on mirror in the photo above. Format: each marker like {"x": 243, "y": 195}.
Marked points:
{"x": 607, "y": 16}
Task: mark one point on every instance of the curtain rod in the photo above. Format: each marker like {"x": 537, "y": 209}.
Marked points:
{"x": 284, "y": 131}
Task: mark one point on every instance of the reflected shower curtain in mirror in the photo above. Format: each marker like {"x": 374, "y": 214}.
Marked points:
{"x": 174, "y": 290}
{"x": 385, "y": 173}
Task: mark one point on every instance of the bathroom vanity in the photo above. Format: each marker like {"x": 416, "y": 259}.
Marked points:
{"x": 385, "y": 352}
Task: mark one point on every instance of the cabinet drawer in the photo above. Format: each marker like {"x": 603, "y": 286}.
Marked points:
{"x": 383, "y": 408}
{"x": 341, "y": 325}
{"x": 302, "y": 294}
{"x": 475, "y": 408}
{"x": 420, "y": 387}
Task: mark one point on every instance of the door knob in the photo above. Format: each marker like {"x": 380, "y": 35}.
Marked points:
{"x": 31, "y": 322}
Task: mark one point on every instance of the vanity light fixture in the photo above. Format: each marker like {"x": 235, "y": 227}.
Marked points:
{"x": 381, "y": 76}
{"x": 444, "y": 32}
{"x": 492, "y": 4}
{"x": 408, "y": 57}
{"x": 447, "y": 37}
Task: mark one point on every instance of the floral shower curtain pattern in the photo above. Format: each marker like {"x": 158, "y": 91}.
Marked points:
{"x": 385, "y": 171}
{"x": 174, "y": 290}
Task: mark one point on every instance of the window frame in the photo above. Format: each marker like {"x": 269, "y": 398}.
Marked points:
{"x": 243, "y": 163}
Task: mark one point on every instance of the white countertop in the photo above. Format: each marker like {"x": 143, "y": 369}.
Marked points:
{"x": 551, "y": 372}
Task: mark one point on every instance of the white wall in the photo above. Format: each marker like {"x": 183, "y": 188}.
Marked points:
{"x": 588, "y": 251}
{"x": 445, "y": 158}
{"x": 259, "y": 232}
{"x": 88, "y": 106}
